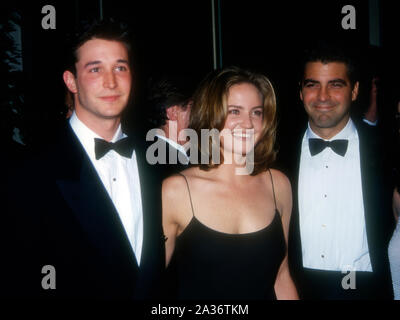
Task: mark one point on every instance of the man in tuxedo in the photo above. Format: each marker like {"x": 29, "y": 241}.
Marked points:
{"x": 341, "y": 221}
{"x": 169, "y": 103}
{"x": 86, "y": 211}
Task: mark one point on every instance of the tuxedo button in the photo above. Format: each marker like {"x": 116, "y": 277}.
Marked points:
{"x": 322, "y": 256}
{"x": 114, "y": 179}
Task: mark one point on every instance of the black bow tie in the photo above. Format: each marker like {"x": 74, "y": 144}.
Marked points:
{"x": 123, "y": 147}
{"x": 317, "y": 145}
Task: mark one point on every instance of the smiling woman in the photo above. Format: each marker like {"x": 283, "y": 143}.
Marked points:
{"x": 226, "y": 232}
{"x": 244, "y": 121}
{"x": 236, "y": 101}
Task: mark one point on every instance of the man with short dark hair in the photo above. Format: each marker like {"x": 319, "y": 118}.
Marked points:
{"x": 341, "y": 220}
{"x": 169, "y": 103}
{"x": 89, "y": 205}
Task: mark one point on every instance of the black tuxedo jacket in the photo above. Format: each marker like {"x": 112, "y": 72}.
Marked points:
{"x": 164, "y": 170}
{"x": 60, "y": 214}
{"x": 377, "y": 195}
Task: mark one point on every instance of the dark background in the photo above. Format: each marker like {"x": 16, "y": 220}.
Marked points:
{"x": 177, "y": 36}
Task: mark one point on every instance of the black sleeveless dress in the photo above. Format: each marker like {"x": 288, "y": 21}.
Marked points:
{"x": 216, "y": 265}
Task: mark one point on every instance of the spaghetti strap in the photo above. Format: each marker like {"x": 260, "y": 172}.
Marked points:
{"x": 273, "y": 189}
{"x": 190, "y": 197}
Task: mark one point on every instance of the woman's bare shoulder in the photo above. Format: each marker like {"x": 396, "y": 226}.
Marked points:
{"x": 174, "y": 195}
{"x": 173, "y": 185}
{"x": 283, "y": 192}
{"x": 281, "y": 181}
{"x": 176, "y": 185}
{"x": 176, "y": 198}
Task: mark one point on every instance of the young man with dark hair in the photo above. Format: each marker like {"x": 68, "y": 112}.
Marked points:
{"x": 169, "y": 103}
{"x": 87, "y": 211}
{"x": 341, "y": 220}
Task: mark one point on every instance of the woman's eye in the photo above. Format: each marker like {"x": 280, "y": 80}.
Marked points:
{"x": 258, "y": 113}
{"x": 234, "y": 111}
{"x": 121, "y": 68}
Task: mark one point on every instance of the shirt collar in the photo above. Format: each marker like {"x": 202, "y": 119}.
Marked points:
{"x": 347, "y": 132}
{"x": 172, "y": 143}
{"x": 86, "y": 136}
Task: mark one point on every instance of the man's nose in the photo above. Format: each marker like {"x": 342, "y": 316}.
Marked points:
{"x": 109, "y": 80}
{"x": 323, "y": 94}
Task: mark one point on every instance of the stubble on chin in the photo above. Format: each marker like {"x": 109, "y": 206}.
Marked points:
{"x": 323, "y": 121}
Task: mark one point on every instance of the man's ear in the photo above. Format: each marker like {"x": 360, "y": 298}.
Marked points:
{"x": 172, "y": 113}
{"x": 354, "y": 92}
{"x": 70, "y": 81}
{"x": 301, "y": 94}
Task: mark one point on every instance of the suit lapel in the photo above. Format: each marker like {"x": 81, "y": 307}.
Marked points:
{"x": 369, "y": 181}
{"x": 295, "y": 235}
{"x": 84, "y": 192}
{"x": 153, "y": 251}
{"x": 150, "y": 188}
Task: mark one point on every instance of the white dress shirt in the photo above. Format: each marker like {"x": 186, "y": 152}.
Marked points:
{"x": 120, "y": 177}
{"x": 373, "y": 124}
{"x": 331, "y": 207}
{"x": 176, "y": 146}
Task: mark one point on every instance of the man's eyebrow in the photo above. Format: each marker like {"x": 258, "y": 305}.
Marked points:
{"x": 91, "y": 63}
{"x": 338, "y": 80}
{"x": 305, "y": 81}
{"x": 97, "y": 62}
